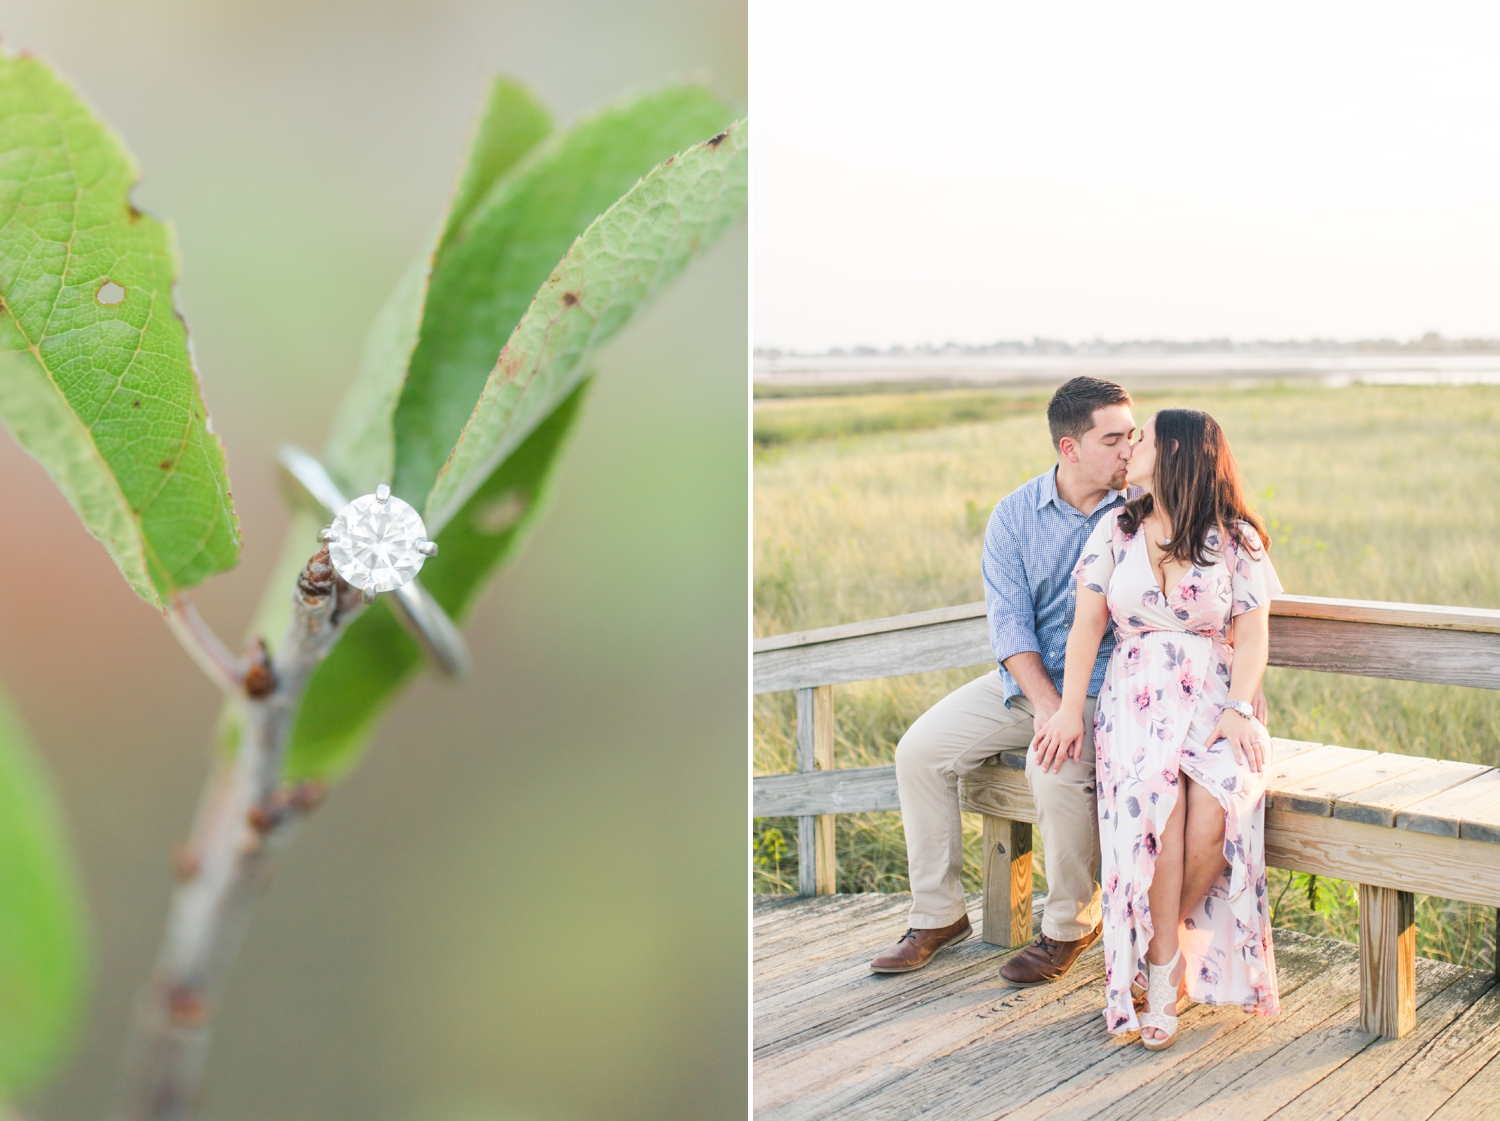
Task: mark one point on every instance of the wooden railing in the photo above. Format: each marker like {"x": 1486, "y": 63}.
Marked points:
{"x": 1436, "y": 830}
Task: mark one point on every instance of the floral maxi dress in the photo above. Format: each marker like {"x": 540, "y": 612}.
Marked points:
{"x": 1163, "y": 692}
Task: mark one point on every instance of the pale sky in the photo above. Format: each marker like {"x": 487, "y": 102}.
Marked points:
{"x": 982, "y": 171}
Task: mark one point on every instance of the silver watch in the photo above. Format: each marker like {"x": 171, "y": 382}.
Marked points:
{"x": 1244, "y": 708}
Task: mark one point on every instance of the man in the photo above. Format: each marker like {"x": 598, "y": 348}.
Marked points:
{"x": 1034, "y": 539}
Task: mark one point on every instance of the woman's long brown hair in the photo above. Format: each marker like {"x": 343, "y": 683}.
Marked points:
{"x": 1199, "y": 488}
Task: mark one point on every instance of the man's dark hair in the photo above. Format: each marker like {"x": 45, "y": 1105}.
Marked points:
{"x": 1071, "y": 410}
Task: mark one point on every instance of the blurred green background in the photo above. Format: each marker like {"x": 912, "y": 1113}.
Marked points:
{"x": 527, "y": 903}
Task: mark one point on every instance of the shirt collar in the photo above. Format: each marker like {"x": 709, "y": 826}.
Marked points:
{"x": 1049, "y": 495}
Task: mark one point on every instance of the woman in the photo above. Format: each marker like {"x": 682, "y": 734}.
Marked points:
{"x": 1183, "y": 572}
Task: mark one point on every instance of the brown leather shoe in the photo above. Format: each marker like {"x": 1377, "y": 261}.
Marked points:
{"x": 915, "y": 948}
{"x": 1046, "y": 959}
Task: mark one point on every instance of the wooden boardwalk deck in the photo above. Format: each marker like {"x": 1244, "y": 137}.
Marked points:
{"x": 952, "y": 1041}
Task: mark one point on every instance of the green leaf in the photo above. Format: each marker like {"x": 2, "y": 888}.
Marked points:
{"x": 96, "y": 379}
{"x": 42, "y": 945}
{"x": 376, "y": 656}
{"x": 629, "y": 254}
{"x": 486, "y": 275}
{"x": 514, "y": 122}
{"x": 360, "y": 452}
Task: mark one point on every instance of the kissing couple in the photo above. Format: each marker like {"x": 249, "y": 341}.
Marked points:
{"x": 1128, "y": 592}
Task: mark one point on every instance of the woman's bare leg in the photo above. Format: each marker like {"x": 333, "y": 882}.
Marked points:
{"x": 1202, "y": 843}
{"x": 1165, "y": 892}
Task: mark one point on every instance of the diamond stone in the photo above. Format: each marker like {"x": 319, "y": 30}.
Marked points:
{"x": 374, "y": 544}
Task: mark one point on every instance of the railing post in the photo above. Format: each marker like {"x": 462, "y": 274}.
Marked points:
{"x": 1007, "y": 881}
{"x": 815, "y": 852}
{"x": 1387, "y": 961}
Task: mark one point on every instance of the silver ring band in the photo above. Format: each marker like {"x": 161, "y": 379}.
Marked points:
{"x": 414, "y": 606}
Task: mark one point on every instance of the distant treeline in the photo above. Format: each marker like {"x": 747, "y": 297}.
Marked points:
{"x": 1430, "y": 343}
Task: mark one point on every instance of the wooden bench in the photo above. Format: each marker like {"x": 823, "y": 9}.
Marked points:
{"x": 1393, "y": 824}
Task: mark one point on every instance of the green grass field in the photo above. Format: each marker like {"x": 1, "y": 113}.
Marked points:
{"x": 876, "y": 505}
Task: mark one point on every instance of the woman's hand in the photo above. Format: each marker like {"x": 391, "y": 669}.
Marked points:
{"x": 1061, "y": 737}
{"x": 1245, "y": 739}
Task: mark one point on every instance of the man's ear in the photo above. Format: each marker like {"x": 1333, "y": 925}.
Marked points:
{"x": 1067, "y": 447}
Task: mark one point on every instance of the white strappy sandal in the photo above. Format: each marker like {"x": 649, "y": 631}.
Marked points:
{"x": 1160, "y": 991}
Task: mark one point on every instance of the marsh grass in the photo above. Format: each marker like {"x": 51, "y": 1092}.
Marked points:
{"x": 1370, "y": 492}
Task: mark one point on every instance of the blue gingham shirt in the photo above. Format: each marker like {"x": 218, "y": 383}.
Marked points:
{"x": 1030, "y": 549}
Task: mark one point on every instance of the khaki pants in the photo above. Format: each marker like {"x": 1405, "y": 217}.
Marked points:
{"x": 950, "y": 739}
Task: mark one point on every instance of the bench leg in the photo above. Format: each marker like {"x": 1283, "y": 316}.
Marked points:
{"x": 1007, "y": 882}
{"x": 1387, "y": 961}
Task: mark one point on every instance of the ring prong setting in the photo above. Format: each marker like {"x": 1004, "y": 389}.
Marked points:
{"x": 427, "y": 548}
{"x": 325, "y": 534}
{"x": 377, "y": 543}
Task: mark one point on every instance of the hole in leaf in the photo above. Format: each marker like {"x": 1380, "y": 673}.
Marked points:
{"x": 110, "y": 294}
{"x": 500, "y": 513}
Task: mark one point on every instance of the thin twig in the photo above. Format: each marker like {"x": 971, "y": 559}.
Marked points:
{"x": 203, "y": 646}
{"x": 244, "y": 812}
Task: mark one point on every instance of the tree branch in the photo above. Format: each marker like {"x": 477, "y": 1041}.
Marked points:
{"x": 203, "y": 646}
{"x": 243, "y": 814}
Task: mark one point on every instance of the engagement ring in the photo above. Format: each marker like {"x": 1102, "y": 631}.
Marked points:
{"x": 378, "y": 543}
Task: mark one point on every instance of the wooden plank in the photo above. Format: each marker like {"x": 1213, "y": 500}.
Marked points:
{"x": 1456, "y": 1056}
{"x": 1007, "y": 882}
{"x": 775, "y": 933}
{"x": 1316, "y": 794}
{"x": 1415, "y": 642}
{"x": 865, "y": 627}
{"x": 848, "y": 790}
{"x": 815, "y": 752}
{"x": 1387, "y": 961}
{"x": 1451, "y": 868}
{"x": 950, "y": 1042}
{"x": 965, "y": 642}
{"x": 1384, "y": 612}
{"x": 1379, "y": 804}
{"x": 1284, "y": 749}
{"x": 1115, "y": 1078}
{"x": 893, "y": 1026}
{"x": 1479, "y": 1096}
{"x": 1388, "y": 613}
{"x": 839, "y": 996}
{"x": 1441, "y": 814}
{"x": 1482, "y": 824}
{"x": 1318, "y": 979}
{"x": 926, "y": 1058}
{"x": 1444, "y": 657}
{"x": 852, "y": 1003}
{"x": 1337, "y": 1065}
{"x": 1295, "y": 768}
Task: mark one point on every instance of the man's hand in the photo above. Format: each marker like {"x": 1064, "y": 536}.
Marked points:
{"x": 1059, "y": 738}
{"x": 1045, "y": 709}
{"x": 1258, "y": 703}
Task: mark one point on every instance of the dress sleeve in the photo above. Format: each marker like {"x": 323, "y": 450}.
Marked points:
{"x": 1253, "y": 577}
{"x": 1097, "y": 563}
